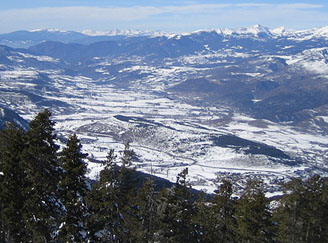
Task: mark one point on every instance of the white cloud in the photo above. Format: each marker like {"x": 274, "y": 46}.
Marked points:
{"x": 77, "y": 18}
{"x": 93, "y": 13}
{"x": 300, "y": 6}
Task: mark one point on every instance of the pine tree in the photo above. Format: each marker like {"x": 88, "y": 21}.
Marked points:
{"x": 110, "y": 202}
{"x": 303, "y": 214}
{"x": 315, "y": 211}
{"x": 127, "y": 155}
{"x": 42, "y": 207}
{"x": 217, "y": 216}
{"x": 254, "y": 219}
{"x": 74, "y": 188}
{"x": 11, "y": 184}
{"x": 203, "y": 218}
{"x": 101, "y": 203}
{"x": 178, "y": 211}
{"x": 289, "y": 215}
{"x": 322, "y": 211}
{"x": 146, "y": 202}
{"x": 224, "y": 207}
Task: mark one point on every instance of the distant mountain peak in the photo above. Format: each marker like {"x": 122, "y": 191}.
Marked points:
{"x": 322, "y": 31}
{"x": 116, "y": 32}
{"x": 255, "y": 30}
{"x": 26, "y": 39}
{"x": 50, "y": 30}
{"x": 280, "y": 31}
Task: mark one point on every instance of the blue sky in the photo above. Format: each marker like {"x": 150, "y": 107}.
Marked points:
{"x": 168, "y": 15}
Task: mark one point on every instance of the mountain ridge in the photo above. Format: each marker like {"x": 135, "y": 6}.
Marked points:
{"x": 242, "y": 105}
{"x": 25, "y": 39}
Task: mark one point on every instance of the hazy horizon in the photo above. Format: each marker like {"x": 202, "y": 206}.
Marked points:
{"x": 166, "y": 16}
{"x": 122, "y": 31}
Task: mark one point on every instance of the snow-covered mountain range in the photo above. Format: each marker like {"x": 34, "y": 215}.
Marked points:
{"x": 25, "y": 39}
{"x": 247, "y": 102}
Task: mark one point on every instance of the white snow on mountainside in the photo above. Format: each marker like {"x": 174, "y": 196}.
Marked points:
{"x": 239, "y": 103}
{"x": 256, "y": 30}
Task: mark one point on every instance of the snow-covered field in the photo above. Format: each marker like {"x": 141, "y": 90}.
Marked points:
{"x": 112, "y": 100}
{"x": 168, "y": 135}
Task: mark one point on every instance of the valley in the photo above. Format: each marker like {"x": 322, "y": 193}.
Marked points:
{"x": 239, "y": 104}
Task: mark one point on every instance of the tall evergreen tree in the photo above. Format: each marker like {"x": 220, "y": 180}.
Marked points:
{"x": 315, "y": 210}
{"x": 217, "y": 217}
{"x": 127, "y": 155}
{"x": 101, "y": 204}
{"x": 74, "y": 188}
{"x": 303, "y": 212}
{"x": 224, "y": 207}
{"x": 42, "y": 207}
{"x": 110, "y": 202}
{"x": 12, "y": 184}
{"x": 289, "y": 213}
{"x": 254, "y": 218}
{"x": 178, "y": 211}
{"x": 148, "y": 222}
